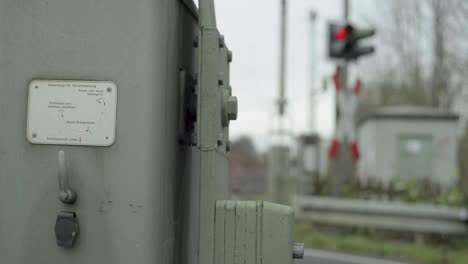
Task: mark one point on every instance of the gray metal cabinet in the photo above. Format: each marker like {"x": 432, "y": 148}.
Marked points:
{"x": 128, "y": 193}
{"x": 146, "y": 194}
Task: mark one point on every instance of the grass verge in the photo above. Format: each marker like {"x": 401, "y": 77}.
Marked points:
{"x": 376, "y": 246}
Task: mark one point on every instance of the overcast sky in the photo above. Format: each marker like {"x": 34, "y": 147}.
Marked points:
{"x": 251, "y": 29}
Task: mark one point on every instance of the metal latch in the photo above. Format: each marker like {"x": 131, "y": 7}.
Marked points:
{"x": 66, "y": 194}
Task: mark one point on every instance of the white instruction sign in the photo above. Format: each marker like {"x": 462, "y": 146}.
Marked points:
{"x": 72, "y": 112}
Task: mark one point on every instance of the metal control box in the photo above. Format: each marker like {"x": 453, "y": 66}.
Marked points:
{"x": 124, "y": 194}
{"x": 253, "y": 233}
{"x": 89, "y": 178}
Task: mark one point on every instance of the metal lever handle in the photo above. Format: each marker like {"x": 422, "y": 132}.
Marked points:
{"x": 66, "y": 195}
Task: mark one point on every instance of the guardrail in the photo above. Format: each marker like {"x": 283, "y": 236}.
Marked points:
{"x": 417, "y": 218}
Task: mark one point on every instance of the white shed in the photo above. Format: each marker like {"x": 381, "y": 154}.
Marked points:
{"x": 409, "y": 142}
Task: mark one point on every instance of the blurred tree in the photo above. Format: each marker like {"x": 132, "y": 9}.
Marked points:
{"x": 243, "y": 149}
{"x": 422, "y": 59}
{"x": 449, "y": 25}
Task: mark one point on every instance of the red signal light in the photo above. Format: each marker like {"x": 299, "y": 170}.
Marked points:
{"x": 342, "y": 34}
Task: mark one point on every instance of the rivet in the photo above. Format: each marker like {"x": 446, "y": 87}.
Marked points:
{"x": 220, "y": 139}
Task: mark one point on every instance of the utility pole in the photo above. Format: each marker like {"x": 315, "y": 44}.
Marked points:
{"x": 278, "y": 181}
{"x": 339, "y": 165}
{"x": 313, "y": 68}
{"x": 311, "y": 144}
{"x": 283, "y": 48}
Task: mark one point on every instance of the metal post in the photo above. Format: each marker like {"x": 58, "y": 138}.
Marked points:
{"x": 345, "y": 65}
{"x": 313, "y": 90}
{"x": 339, "y": 170}
{"x": 283, "y": 49}
{"x": 278, "y": 160}
{"x": 317, "y": 186}
{"x": 278, "y": 182}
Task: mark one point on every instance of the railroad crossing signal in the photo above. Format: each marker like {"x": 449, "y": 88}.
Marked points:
{"x": 344, "y": 42}
{"x": 347, "y": 104}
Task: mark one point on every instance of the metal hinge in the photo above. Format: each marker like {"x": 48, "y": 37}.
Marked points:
{"x": 187, "y": 108}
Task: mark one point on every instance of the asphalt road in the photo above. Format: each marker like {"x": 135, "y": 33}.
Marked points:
{"x": 313, "y": 256}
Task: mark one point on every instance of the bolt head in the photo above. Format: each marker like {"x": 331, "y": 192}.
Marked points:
{"x": 220, "y": 139}
{"x": 231, "y": 108}
{"x": 298, "y": 251}
{"x": 220, "y": 78}
{"x": 221, "y": 41}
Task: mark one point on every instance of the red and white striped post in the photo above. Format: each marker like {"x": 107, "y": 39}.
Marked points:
{"x": 347, "y": 106}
